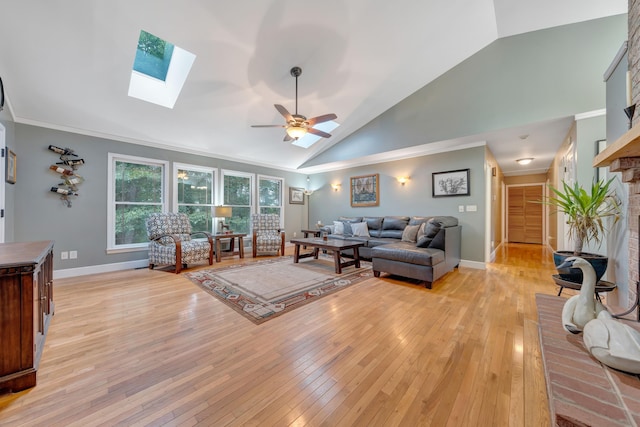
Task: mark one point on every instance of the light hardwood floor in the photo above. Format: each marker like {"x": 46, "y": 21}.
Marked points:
{"x": 148, "y": 347}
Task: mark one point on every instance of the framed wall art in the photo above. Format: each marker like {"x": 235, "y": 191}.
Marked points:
{"x": 365, "y": 190}
{"x": 11, "y": 167}
{"x": 296, "y": 196}
{"x": 451, "y": 183}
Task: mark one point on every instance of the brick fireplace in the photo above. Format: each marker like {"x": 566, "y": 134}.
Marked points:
{"x": 623, "y": 155}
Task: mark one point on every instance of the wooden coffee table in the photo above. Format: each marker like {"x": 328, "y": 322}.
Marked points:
{"x": 334, "y": 245}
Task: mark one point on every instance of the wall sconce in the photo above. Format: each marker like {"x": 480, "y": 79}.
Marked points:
{"x": 403, "y": 179}
{"x": 335, "y": 187}
{"x": 308, "y": 192}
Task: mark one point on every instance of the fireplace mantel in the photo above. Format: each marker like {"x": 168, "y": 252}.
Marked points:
{"x": 628, "y": 145}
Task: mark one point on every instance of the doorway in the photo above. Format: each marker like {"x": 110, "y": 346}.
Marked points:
{"x": 525, "y": 214}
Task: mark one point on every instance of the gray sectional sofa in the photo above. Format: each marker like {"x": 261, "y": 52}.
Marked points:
{"x": 394, "y": 245}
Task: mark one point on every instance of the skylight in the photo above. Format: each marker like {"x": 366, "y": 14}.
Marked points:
{"x": 153, "y": 56}
{"x": 159, "y": 70}
{"x": 309, "y": 139}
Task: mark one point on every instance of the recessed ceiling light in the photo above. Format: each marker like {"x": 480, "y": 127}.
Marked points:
{"x": 525, "y": 161}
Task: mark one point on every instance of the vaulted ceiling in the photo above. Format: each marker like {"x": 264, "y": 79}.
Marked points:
{"x": 67, "y": 65}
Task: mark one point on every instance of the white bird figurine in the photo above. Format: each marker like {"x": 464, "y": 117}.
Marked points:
{"x": 580, "y": 309}
{"x": 613, "y": 343}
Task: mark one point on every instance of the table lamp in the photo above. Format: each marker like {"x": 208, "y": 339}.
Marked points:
{"x": 222, "y": 212}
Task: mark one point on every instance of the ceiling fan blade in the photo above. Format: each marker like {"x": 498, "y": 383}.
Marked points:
{"x": 320, "y": 119}
{"x": 267, "y": 126}
{"x": 319, "y": 133}
{"x": 287, "y": 138}
{"x": 284, "y": 112}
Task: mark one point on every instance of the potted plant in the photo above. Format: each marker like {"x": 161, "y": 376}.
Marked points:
{"x": 587, "y": 215}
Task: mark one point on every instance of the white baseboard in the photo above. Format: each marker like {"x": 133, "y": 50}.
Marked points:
{"x": 473, "y": 264}
{"x": 95, "y": 269}
{"x": 143, "y": 263}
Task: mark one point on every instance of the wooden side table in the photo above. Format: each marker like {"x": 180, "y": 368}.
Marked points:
{"x": 232, "y": 236}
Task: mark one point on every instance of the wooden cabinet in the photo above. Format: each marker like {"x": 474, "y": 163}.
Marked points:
{"x": 26, "y": 307}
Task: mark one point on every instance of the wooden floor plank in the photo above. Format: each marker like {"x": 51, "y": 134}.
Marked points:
{"x": 148, "y": 347}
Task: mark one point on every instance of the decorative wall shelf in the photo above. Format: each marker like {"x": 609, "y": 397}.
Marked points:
{"x": 628, "y": 145}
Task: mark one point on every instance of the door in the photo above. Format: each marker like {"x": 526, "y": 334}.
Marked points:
{"x": 524, "y": 214}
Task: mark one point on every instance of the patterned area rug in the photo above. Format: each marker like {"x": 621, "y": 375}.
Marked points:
{"x": 266, "y": 289}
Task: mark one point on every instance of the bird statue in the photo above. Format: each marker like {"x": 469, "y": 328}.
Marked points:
{"x": 580, "y": 309}
{"x": 613, "y": 343}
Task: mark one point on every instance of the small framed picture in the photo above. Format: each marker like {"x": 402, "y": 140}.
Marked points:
{"x": 451, "y": 183}
{"x": 296, "y": 196}
{"x": 11, "y": 167}
{"x": 365, "y": 190}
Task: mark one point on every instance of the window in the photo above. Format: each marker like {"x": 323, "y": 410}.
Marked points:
{"x": 237, "y": 192}
{"x": 193, "y": 194}
{"x": 270, "y": 195}
{"x": 137, "y": 188}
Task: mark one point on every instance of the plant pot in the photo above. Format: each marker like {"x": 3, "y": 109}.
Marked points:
{"x": 598, "y": 262}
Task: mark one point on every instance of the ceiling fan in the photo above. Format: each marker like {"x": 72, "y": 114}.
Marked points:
{"x": 298, "y": 125}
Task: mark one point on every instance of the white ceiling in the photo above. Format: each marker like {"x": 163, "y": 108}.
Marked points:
{"x": 67, "y": 66}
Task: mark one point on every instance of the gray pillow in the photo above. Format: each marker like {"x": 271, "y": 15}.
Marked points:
{"x": 432, "y": 228}
{"x": 438, "y": 241}
{"x": 410, "y": 232}
{"x": 423, "y": 241}
{"x": 347, "y": 228}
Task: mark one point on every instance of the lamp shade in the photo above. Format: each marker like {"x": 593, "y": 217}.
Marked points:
{"x": 222, "y": 211}
{"x": 296, "y": 132}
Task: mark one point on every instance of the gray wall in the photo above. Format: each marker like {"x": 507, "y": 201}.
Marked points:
{"x": 39, "y": 214}
{"x": 514, "y": 81}
{"x": 414, "y": 198}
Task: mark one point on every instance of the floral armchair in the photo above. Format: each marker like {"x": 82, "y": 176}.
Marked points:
{"x": 267, "y": 234}
{"x": 170, "y": 241}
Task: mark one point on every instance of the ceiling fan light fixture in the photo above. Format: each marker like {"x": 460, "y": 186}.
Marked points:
{"x": 296, "y": 132}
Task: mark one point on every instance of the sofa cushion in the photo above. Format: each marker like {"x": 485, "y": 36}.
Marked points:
{"x": 417, "y": 220}
{"x": 409, "y": 253}
{"x": 377, "y": 241}
{"x": 410, "y": 232}
{"x": 360, "y": 229}
{"x": 350, "y": 218}
{"x": 393, "y": 226}
{"x": 446, "y": 221}
{"x": 374, "y": 225}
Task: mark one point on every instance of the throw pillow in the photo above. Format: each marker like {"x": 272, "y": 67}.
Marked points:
{"x": 438, "y": 241}
{"x": 421, "y": 230}
{"x": 410, "y": 232}
{"x": 360, "y": 229}
{"x": 338, "y": 227}
{"x": 347, "y": 227}
{"x": 423, "y": 241}
{"x": 432, "y": 228}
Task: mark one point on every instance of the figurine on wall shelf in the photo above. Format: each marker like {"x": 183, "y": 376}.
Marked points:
{"x": 66, "y": 168}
